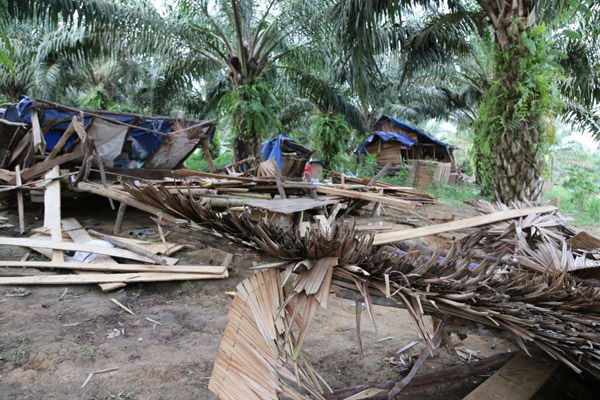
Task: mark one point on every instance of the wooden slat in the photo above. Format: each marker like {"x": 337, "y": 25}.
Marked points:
{"x": 63, "y": 140}
{"x": 390, "y": 237}
{"x": 39, "y": 144}
{"x": 20, "y": 206}
{"x": 114, "y": 252}
{"x": 518, "y": 379}
{"x": 47, "y": 165}
{"x": 365, "y": 196}
{"x": 105, "y": 278}
{"x": 123, "y": 198}
{"x": 52, "y": 211}
{"x": 79, "y": 235}
{"x": 289, "y": 206}
{"x": 82, "y": 266}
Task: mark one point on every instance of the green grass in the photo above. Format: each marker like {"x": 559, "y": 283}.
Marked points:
{"x": 454, "y": 194}
{"x": 589, "y": 214}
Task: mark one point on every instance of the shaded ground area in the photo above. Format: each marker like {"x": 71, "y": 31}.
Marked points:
{"x": 51, "y": 340}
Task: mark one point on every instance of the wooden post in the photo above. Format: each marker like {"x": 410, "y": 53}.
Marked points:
{"x": 120, "y": 217}
{"x": 20, "y": 201}
{"x": 52, "y": 210}
{"x": 207, "y": 156}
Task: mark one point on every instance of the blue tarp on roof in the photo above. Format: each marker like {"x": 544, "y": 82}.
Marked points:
{"x": 409, "y": 128}
{"x": 386, "y": 136}
{"x": 397, "y": 136}
{"x": 274, "y": 148}
{"x": 143, "y": 144}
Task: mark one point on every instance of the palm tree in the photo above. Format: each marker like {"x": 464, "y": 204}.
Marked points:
{"x": 237, "y": 50}
{"x": 514, "y": 120}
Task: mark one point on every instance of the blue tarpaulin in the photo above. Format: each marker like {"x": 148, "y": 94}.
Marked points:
{"x": 397, "y": 136}
{"x": 143, "y": 144}
{"x": 274, "y": 148}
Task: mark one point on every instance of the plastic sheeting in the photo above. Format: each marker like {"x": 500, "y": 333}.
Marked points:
{"x": 143, "y": 144}
{"x": 274, "y": 148}
{"x": 109, "y": 139}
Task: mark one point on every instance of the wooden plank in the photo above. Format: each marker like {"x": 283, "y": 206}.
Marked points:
{"x": 364, "y": 196}
{"x": 65, "y": 246}
{"x": 62, "y": 141}
{"x": 153, "y": 247}
{"x": 207, "y": 156}
{"x": 518, "y": 379}
{"x": 390, "y": 237}
{"x": 128, "y": 246}
{"x": 82, "y": 266}
{"x": 20, "y": 205}
{"x": 47, "y": 165}
{"x": 289, "y": 206}
{"x": 52, "y": 211}
{"x": 39, "y": 143}
{"x": 123, "y": 198}
{"x": 379, "y": 174}
{"x": 105, "y": 278}
{"x": 79, "y": 235}
{"x": 188, "y": 172}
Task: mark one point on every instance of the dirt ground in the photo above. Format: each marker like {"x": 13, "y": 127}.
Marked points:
{"x": 52, "y": 339}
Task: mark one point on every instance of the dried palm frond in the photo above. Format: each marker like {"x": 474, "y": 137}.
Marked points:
{"x": 538, "y": 302}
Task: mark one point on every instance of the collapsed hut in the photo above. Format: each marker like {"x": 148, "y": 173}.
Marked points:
{"x": 427, "y": 159}
{"x": 35, "y": 132}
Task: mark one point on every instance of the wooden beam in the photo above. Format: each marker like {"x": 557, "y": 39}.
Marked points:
{"x": 188, "y": 172}
{"x": 106, "y": 278}
{"x": 47, "y": 165}
{"x": 52, "y": 211}
{"x": 379, "y": 174}
{"x": 82, "y": 266}
{"x": 123, "y": 198}
{"x": 129, "y": 246}
{"x": 518, "y": 379}
{"x": 207, "y": 156}
{"x": 364, "y": 196}
{"x": 62, "y": 141}
{"x": 20, "y": 205}
{"x": 390, "y": 237}
{"x": 88, "y": 248}
{"x": 423, "y": 381}
{"x": 39, "y": 144}
{"x": 79, "y": 235}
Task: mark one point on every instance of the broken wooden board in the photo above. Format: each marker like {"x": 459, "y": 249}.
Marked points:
{"x": 289, "y": 206}
{"x": 76, "y": 232}
{"x": 95, "y": 278}
{"x": 391, "y": 237}
{"x": 87, "y": 248}
{"x": 47, "y": 165}
{"x": 518, "y": 379}
{"x": 123, "y": 198}
{"x": 377, "y": 198}
{"x": 153, "y": 247}
{"x": 109, "y": 267}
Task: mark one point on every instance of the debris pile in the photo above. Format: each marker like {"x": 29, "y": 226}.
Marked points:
{"x": 554, "y": 310}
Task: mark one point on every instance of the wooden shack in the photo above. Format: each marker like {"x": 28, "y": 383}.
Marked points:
{"x": 398, "y": 143}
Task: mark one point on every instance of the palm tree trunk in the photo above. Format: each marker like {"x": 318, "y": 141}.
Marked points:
{"x": 510, "y": 131}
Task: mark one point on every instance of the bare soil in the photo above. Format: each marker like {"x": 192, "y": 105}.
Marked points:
{"x": 51, "y": 340}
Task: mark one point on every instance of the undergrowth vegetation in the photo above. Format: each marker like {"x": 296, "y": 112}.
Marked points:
{"x": 454, "y": 194}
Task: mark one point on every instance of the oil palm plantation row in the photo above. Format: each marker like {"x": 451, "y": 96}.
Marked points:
{"x": 508, "y": 68}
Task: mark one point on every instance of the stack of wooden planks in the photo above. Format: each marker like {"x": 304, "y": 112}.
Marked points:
{"x": 98, "y": 264}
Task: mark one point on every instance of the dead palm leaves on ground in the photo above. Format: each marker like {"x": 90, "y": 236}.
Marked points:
{"x": 537, "y": 299}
